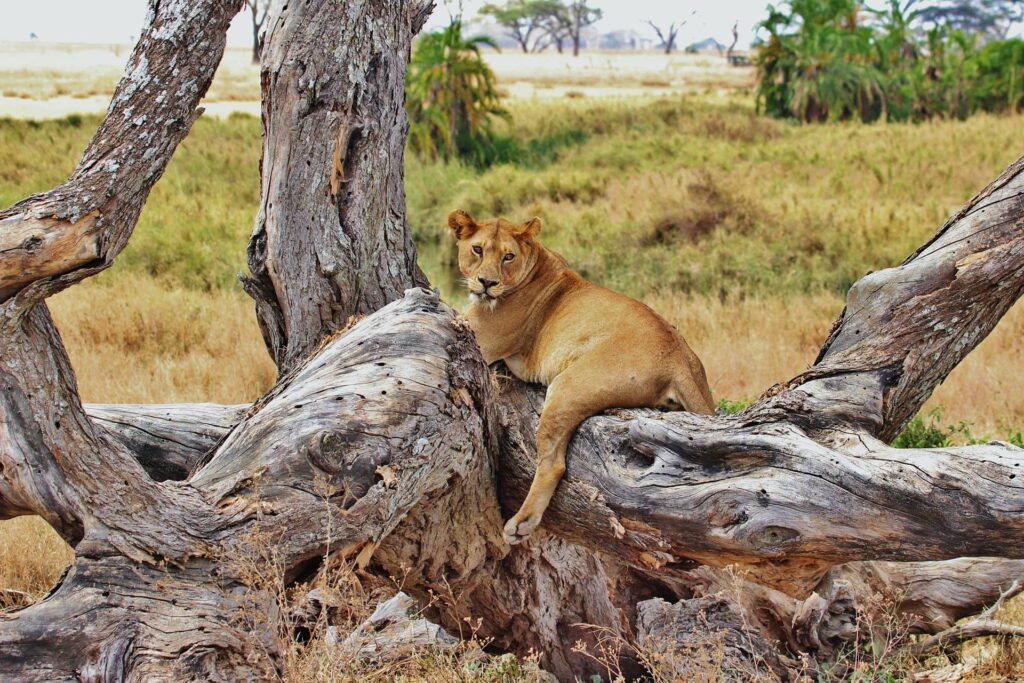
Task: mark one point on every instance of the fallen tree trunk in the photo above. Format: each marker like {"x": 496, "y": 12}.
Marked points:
{"x": 385, "y": 443}
{"x": 931, "y": 596}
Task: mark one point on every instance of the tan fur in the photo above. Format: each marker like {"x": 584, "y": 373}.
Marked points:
{"x": 594, "y": 348}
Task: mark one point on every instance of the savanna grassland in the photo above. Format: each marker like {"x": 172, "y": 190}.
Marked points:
{"x": 744, "y": 231}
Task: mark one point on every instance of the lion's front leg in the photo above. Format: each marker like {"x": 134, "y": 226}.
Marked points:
{"x": 562, "y": 414}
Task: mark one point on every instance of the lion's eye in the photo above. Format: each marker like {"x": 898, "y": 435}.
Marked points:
{"x": 479, "y": 251}
{"x": 509, "y": 257}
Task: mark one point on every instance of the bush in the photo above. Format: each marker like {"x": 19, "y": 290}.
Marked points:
{"x": 451, "y": 95}
{"x": 924, "y": 434}
{"x": 823, "y": 62}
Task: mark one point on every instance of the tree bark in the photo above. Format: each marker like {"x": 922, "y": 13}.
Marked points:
{"x": 385, "y": 441}
{"x": 331, "y": 239}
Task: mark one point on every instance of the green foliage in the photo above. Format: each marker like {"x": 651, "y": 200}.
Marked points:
{"x": 1000, "y": 76}
{"x": 776, "y": 209}
{"x": 451, "y": 95}
{"x": 922, "y": 433}
{"x": 689, "y": 195}
{"x": 989, "y": 17}
{"x": 822, "y": 62}
{"x": 731, "y": 407}
{"x": 194, "y": 227}
{"x": 929, "y": 432}
{"x": 528, "y": 22}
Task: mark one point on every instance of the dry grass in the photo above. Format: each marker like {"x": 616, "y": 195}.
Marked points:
{"x": 747, "y": 345}
{"x": 133, "y": 339}
{"x": 89, "y": 73}
{"x": 32, "y": 557}
{"x": 163, "y": 344}
{"x": 743, "y": 232}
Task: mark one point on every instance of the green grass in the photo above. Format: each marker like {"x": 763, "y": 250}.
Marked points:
{"x": 665, "y": 199}
{"x": 705, "y": 197}
{"x": 194, "y": 227}
{"x": 675, "y": 194}
{"x": 927, "y": 430}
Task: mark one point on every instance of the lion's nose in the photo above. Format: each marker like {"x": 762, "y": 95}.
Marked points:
{"x": 487, "y": 283}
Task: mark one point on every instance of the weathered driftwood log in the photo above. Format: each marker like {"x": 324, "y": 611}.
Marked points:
{"x": 929, "y": 596}
{"x": 376, "y": 449}
{"x": 168, "y": 440}
{"x": 55, "y": 462}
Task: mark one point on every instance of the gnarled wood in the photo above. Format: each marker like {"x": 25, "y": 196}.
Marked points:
{"x": 167, "y": 440}
{"x": 54, "y": 461}
{"x": 666, "y": 489}
{"x": 705, "y": 639}
{"x": 52, "y": 240}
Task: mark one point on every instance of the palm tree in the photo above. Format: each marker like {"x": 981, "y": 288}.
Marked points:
{"x": 451, "y": 94}
{"x": 818, "y": 64}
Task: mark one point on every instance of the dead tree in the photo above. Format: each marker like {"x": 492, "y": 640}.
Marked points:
{"x": 386, "y": 441}
{"x": 668, "y": 36}
{"x": 732, "y": 45}
{"x": 259, "y": 10}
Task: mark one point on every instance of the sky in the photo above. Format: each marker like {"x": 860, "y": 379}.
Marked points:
{"x": 118, "y": 21}
{"x": 713, "y": 18}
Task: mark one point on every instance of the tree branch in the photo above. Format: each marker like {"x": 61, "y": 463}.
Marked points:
{"x": 53, "y": 460}
{"x": 981, "y": 627}
{"x": 53, "y": 240}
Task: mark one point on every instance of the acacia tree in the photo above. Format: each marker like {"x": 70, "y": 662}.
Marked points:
{"x": 575, "y": 17}
{"x": 385, "y": 442}
{"x": 993, "y": 18}
{"x": 528, "y": 22}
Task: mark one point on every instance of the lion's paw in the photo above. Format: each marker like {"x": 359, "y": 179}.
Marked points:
{"x": 520, "y": 527}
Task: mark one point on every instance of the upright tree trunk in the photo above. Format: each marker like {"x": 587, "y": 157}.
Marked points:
{"x": 331, "y": 238}
{"x": 257, "y": 42}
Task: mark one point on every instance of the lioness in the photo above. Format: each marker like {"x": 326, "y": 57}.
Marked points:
{"x": 594, "y": 348}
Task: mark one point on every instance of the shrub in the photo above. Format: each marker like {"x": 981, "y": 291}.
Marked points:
{"x": 451, "y": 95}
{"x": 824, "y": 62}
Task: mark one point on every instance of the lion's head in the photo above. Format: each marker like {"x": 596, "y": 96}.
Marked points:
{"x": 495, "y": 255}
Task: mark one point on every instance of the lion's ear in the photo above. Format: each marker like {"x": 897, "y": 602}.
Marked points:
{"x": 529, "y": 229}
{"x": 462, "y": 224}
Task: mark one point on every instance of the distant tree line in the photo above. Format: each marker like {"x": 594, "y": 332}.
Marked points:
{"x": 838, "y": 60}
{"x": 536, "y": 25}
